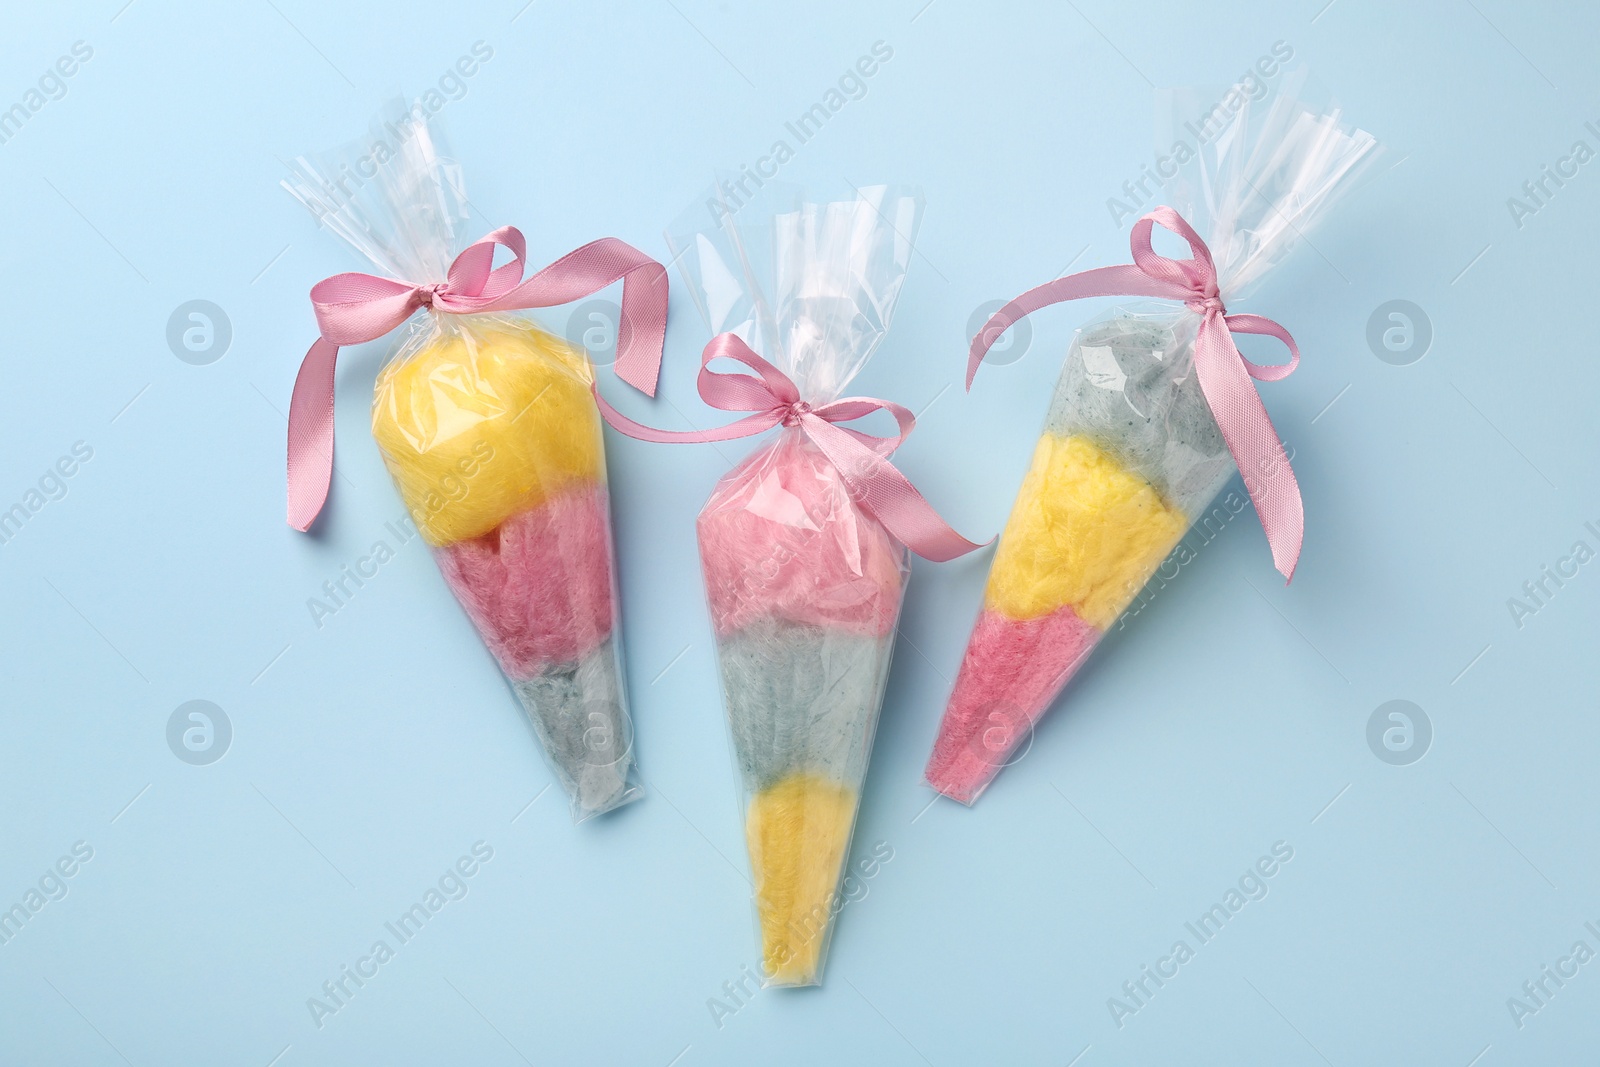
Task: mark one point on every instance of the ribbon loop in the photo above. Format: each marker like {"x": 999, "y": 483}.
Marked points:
{"x": 1198, "y": 274}
{"x": 1255, "y": 324}
{"x": 862, "y": 459}
{"x": 354, "y": 308}
{"x": 1222, "y": 371}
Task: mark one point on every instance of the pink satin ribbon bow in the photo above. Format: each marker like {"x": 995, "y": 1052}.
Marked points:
{"x": 871, "y": 480}
{"x": 1224, "y": 373}
{"x": 354, "y": 308}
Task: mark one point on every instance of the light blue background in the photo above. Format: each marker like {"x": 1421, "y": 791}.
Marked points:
{"x": 368, "y": 755}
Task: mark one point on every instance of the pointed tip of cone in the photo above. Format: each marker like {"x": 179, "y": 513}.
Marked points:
{"x": 798, "y": 831}
{"x": 957, "y": 790}
{"x": 1012, "y": 671}
{"x": 599, "y": 789}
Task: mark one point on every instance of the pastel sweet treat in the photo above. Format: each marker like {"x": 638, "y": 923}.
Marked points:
{"x": 1129, "y": 386}
{"x": 493, "y": 439}
{"x": 802, "y": 698}
{"x": 538, "y": 587}
{"x": 581, "y": 718}
{"x": 1084, "y": 533}
{"x": 805, "y": 590}
{"x": 1012, "y": 671}
{"x": 488, "y": 418}
{"x": 1128, "y": 449}
{"x": 798, "y": 832}
{"x": 488, "y": 426}
{"x": 1132, "y": 451}
{"x": 781, "y": 538}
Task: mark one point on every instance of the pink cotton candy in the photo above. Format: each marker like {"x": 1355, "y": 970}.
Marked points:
{"x": 538, "y": 587}
{"x": 781, "y": 538}
{"x": 1011, "y": 673}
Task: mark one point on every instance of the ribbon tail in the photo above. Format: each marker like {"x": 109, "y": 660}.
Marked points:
{"x": 589, "y": 269}
{"x": 1121, "y": 280}
{"x": 643, "y": 332}
{"x": 760, "y": 422}
{"x": 311, "y": 435}
{"x": 1253, "y": 440}
{"x": 881, "y": 490}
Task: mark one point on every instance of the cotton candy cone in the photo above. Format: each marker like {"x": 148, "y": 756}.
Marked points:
{"x": 798, "y": 832}
{"x": 493, "y": 439}
{"x": 804, "y": 590}
{"x": 1084, "y": 536}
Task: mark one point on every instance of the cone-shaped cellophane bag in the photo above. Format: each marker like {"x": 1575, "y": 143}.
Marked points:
{"x": 489, "y": 430}
{"x": 1131, "y": 456}
{"x": 804, "y": 585}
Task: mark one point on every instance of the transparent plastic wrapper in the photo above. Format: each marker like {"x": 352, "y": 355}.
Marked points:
{"x": 804, "y": 585}
{"x": 1131, "y": 455}
{"x": 488, "y": 427}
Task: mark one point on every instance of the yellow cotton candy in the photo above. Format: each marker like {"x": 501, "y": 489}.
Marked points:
{"x": 1084, "y": 533}
{"x": 797, "y": 831}
{"x": 488, "y": 419}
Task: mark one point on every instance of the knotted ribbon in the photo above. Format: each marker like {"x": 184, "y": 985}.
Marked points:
{"x": 354, "y": 308}
{"x": 1224, "y": 374}
{"x": 862, "y": 459}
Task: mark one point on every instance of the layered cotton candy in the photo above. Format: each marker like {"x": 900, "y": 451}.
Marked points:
{"x": 1132, "y": 451}
{"x": 493, "y": 439}
{"x": 780, "y": 537}
{"x": 538, "y": 587}
{"x": 802, "y": 698}
{"x": 490, "y": 432}
{"x": 797, "y": 831}
{"x": 581, "y": 718}
{"x": 805, "y": 589}
{"x": 1084, "y": 533}
{"x": 803, "y": 581}
{"x": 484, "y": 421}
{"x": 1012, "y": 671}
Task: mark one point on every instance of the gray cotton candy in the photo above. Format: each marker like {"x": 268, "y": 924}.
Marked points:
{"x": 801, "y": 697}
{"x": 581, "y": 718}
{"x": 1147, "y": 411}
